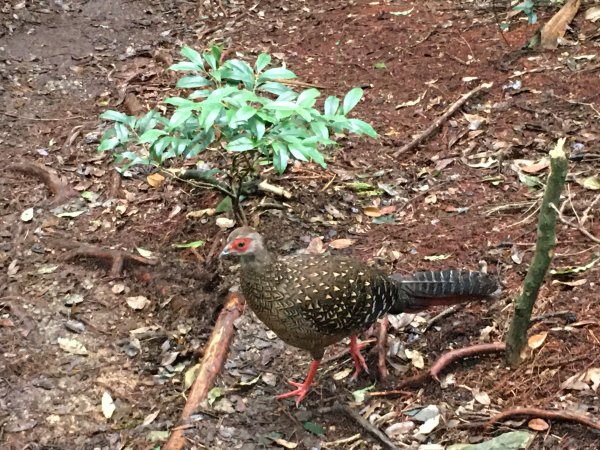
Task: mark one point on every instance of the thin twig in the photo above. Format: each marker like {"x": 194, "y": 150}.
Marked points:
{"x": 576, "y": 226}
{"x": 442, "y": 119}
{"x": 587, "y": 211}
{"x": 570, "y": 416}
{"x": 364, "y": 423}
{"x": 445, "y": 313}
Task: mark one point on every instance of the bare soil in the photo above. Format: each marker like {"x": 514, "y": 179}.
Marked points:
{"x": 63, "y": 63}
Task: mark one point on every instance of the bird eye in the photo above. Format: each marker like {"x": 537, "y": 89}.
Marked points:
{"x": 241, "y": 244}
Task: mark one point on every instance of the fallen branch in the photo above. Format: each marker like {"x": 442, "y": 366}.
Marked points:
{"x": 382, "y": 339}
{"x": 442, "y": 119}
{"x": 439, "y": 365}
{"x": 364, "y": 423}
{"x": 59, "y": 188}
{"x": 544, "y": 251}
{"x": 215, "y": 354}
{"x": 117, "y": 259}
{"x": 445, "y": 313}
{"x": 569, "y": 416}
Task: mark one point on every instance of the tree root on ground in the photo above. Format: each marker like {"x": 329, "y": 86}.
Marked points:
{"x": 118, "y": 259}
{"x": 59, "y": 187}
{"x": 569, "y": 416}
{"x": 439, "y": 365}
{"x": 215, "y": 354}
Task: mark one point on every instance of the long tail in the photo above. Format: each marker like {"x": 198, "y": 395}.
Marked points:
{"x": 444, "y": 287}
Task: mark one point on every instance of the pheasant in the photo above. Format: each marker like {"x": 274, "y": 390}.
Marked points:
{"x": 312, "y": 302}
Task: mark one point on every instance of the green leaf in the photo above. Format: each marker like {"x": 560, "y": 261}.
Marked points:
{"x": 214, "y": 394}
{"x": 115, "y": 116}
{"x": 185, "y": 65}
{"x": 314, "y": 428}
{"x": 281, "y": 157}
{"x": 259, "y": 128}
{"x": 379, "y": 65}
{"x": 193, "y": 56}
{"x": 216, "y": 51}
{"x": 211, "y": 60}
{"x": 360, "y": 394}
{"x": 201, "y": 93}
{"x": 108, "y": 144}
{"x": 194, "y": 244}
{"x": 242, "y": 115}
{"x": 193, "y": 81}
{"x": 360, "y": 127}
{"x": 331, "y": 106}
{"x": 277, "y": 73}
{"x": 240, "y": 71}
{"x": 147, "y": 122}
{"x": 150, "y": 136}
{"x": 181, "y": 102}
{"x": 273, "y": 87}
{"x": 281, "y": 106}
{"x": 209, "y": 114}
{"x": 224, "y": 205}
{"x": 242, "y": 144}
{"x": 319, "y": 129}
{"x": 179, "y": 117}
{"x": 263, "y": 60}
{"x": 308, "y": 98}
{"x": 351, "y": 99}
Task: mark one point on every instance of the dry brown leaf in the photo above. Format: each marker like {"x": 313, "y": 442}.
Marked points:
{"x": 155, "y": 179}
{"x": 557, "y": 26}
{"x": 316, "y": 247}
{"x": 339, "y": 244}
{"x": 537, "y": 340}
{"x": 372, "y": 211}
{"x": 538, "y": 424}
{"x": 285, "y": 444}
{"x": 536, "y": 167}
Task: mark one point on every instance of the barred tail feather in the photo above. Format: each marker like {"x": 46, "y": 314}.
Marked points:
{"x": 444, "y": 287}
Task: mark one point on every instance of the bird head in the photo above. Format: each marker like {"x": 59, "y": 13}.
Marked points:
{"x": 243, "y": 241}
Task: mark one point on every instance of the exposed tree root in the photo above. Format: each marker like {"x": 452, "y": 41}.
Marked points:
{"x": 214, "y": 357}
{"x": 118, "y": 259}
{"x": 442, "y": 362}
{"x": 569, "y": 416}
{"x": 59, "y": 187}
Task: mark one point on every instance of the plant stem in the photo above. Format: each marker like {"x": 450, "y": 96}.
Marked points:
{"x": 544, "y": 251}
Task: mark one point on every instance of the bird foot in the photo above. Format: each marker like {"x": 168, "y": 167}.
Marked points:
{"x": 359, "y": 361}
{"x": 301, "y": 391}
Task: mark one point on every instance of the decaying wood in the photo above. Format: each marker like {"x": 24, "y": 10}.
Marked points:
{"x": 441, "y": 363}
{"x": 569, "y": 416}
{"x": 117, "y": 259}
{"x": 442, "y": 119}
{"x": 265, "y": 186}
{"x": 212, "y": 362}
{"x": 59, "y": 187}
{"x": 557, "y": 26}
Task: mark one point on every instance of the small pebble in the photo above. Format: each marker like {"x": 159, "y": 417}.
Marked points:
{"x": 75, "y": 326}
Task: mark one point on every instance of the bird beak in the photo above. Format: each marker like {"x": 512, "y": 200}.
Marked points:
{"x": 225, "y": 252}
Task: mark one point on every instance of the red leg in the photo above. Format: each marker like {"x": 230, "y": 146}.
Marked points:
{"x": 359, "y": 361}
{"x": 302, "y": 388}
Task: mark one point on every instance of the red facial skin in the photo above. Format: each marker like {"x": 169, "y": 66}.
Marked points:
{"x": 240, "y": 245}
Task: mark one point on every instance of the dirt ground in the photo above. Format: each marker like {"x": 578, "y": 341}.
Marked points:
{"x": 460, "y": 197}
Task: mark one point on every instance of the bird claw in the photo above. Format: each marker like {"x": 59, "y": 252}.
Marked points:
{"x": 301, "y": 391}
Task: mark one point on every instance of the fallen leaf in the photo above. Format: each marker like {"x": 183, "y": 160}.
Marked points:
{"x": 27, "y": 215}
{"x": 108, "y": 405}
{"x": 592, "y": 182}
{"x": 481, "y": 397}
{"x": 538, "y": 425}
{"x": 150, "y": 418}
{"x": 437, "y": 257}
{"x": 138, "y": 302}
{"x": 224, "y": 223}
{"x": 513, "y": 440}
{"x": 592, "y": 14}
{"x": 575, "y": 283}
{"x": 415, "y": 357}
{"x": 360, "y": 394}
{"x": 342, "y": 374}
{"x": 537, "y": 340}
{"x": 72, "y": 346}
{"x": 143, "y": 252}
{"x": 214, "y": 394}
{"x": 316, "y": 247}
{"x": 314, "y": 428}
{"x": 544, "y": 163}
{"x": 194, "y": 244}
{"x": 339, "y": 244}
{"x": 429, "y": 425}
{"x": 155, "y": 179}
{"x": 190, "y": 376}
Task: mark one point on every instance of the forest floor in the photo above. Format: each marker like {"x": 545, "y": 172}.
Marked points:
{"x": 71, "y": 331}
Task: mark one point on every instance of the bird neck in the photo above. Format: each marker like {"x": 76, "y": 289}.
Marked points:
{"x": 257, "y": 260}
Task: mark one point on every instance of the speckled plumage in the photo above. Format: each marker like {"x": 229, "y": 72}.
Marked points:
{"x": 312, "y": 302}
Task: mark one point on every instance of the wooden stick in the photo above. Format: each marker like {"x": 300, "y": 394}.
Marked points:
{"x": 382, "y": 347}
{"x": 59, "y": 188}
{"x": 442, "y": 119}
{"x": 570, "y": 416}
{"x": 214, "y": 357}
